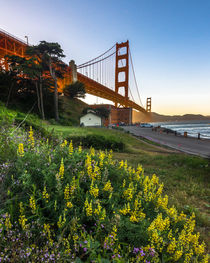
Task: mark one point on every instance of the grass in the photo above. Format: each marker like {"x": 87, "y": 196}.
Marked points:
{"x": 185, "y": 177}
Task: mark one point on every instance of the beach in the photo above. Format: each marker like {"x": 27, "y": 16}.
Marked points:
{"x": 194, "y": 146}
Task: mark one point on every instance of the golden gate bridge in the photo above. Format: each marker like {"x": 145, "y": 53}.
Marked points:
{"x": 107, "y": 76}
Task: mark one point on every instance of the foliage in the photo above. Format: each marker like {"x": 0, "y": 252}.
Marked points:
{"x": 59, "y": 203}
{"x": 50, "y": 54}
{"x": 75, "y": 90}
{"x": 98, "y": 142}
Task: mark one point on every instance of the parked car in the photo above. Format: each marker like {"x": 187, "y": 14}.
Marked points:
{"x": 146, "y": 125}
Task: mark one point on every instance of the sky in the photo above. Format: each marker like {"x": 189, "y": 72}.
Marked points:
{"x": 169, "y": 42}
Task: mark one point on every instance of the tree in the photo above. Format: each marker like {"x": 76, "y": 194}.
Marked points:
{"x": 29, "y": 70}
{"x": 50, "y": 55}
{"x": 8, "y": 83}
{"x": 75, "y": 90}
{"x": 102, "y": 111}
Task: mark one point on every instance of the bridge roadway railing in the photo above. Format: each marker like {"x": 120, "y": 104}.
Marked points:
{"x": 11, "y": 45}
{"x": 5, "y": 33}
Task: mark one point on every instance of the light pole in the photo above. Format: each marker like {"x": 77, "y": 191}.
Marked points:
{"x": 26, "y": 39}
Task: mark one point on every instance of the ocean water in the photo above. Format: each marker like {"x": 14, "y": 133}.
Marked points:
{"x": 191, "y": 127}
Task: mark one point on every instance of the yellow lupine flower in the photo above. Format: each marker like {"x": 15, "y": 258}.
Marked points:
{"x": 155, "y": 179}
{"x": 62, "y": 220}
{"x": 199, "y": 249}
{"x": 128, "y": 193}
{"x": 67, "y": 250}
{"x": 205, "y": 259}
{"x": 124, "y": 183}
{"x": 80, "y": 148}
{"x": 94, "y": 190}
{"x": 92, "y": 151}
{"x": 181, "y": 217}
{"x": 96, "y": 173}
{"x": 172, "y": 212}
{"x": 188, "y": 256}
{"x": 172, "y": 246}
{"x": 126, "y": 210}
{"x": 31, "y": 137}
{"x": 159, "y": 223}
{"x": 160, "y": 189}
{"x": 32, "y": 204}
{"x": 61, "y": 169}
{"x": 163, "y": 202}
{"x": 88, "y": 165}
{"x": 103, "y": 214}
{"x": 8, "y": 223}
{"x": 88, "y": 208}
{"x": 121, "y": 163}
{"x": 67, "y": 192}
{"x": 108, "y": 187}
{"x": 110, "y": 156}
{"x": 133, "y": 217}
{"x": 178, "y": 254}
{"x": 71, "y": 148}
{"x": 64, "y": 144}
{"x": 20, "y": 150}
{"x": 97, "y": 210}
{"x": 45, "y": 195}
{"x": 101, "y": 158}
{"x": 22, "y": 221}
{"x": 48, "y": 233}
{"x": 69, "y": 204}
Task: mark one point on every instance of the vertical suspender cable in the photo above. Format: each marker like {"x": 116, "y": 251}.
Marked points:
{"x": 134, "y": 77}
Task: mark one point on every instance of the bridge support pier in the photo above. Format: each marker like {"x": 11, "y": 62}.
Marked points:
{"x": 73, "y": 71}
{"x": 149, "y": 104}
{"x": 122, "y": 68}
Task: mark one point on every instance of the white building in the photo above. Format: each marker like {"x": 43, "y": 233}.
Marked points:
{"x": 91, "y": 119}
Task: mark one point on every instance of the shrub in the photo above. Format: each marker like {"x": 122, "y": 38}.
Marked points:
{"x": 63, "y": 204}
{"x": 98, "y": 142}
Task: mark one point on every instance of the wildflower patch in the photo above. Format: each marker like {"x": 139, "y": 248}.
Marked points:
{"x": 66, "y": 204}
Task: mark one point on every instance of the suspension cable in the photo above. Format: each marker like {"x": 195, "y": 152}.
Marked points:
{"x": 83, "y": 66}
{"x": 135, "y": 77}
{"x": 96, "y": 57}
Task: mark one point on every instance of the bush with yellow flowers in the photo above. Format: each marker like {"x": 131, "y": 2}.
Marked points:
{"x": 66, "y": 204}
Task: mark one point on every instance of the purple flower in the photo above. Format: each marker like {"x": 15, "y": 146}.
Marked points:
{"x": 135, "y": 250}
{"x": 85, "y": 249}
{"x": 142, "y": 252}
{"x": 152, "y": 253}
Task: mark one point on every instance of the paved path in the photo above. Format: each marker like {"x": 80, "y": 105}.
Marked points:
{"x": 187, "y": 145}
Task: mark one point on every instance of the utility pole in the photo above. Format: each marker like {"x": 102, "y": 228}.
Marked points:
{"x": 26, "y": 39}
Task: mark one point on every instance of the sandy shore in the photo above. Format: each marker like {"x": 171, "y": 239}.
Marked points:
{"x": 185, "y": 144}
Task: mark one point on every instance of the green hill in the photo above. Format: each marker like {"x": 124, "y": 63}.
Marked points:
{"x": 71, "y": 110}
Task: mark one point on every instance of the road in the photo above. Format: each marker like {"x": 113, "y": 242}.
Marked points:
{"x": 185, "y": 144}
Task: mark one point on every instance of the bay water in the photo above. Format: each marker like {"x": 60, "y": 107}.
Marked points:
{"x": 191, "y": 127}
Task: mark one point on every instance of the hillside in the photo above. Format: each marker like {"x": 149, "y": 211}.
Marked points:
{"x": 71, "y": 110}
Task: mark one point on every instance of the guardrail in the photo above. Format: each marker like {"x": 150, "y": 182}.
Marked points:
{"x": 185, "y": 134}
